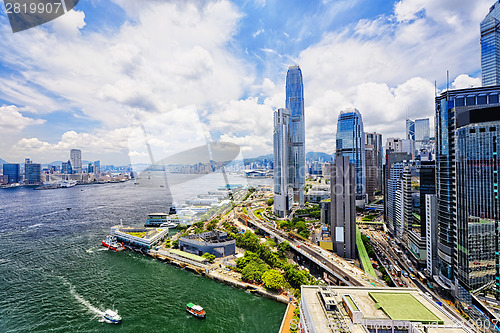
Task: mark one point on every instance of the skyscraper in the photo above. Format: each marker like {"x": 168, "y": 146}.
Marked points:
{"x": 283, "y": 193}
{"x": 295, "y": 107}
{"x": 490, "y": 47}
{"x": 351, "y": 142}
{"x": 375, "y": 140}
{"x": 13, "y": 171}
{"x": 32, "y": 174}
{"x": 467, "y": 134}
{"x": 75, "y": 156}
{"x": 343, "y": 207}
{"x": 410, "y": 129}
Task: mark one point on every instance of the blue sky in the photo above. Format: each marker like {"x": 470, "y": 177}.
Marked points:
{"x": 111, "y": 75}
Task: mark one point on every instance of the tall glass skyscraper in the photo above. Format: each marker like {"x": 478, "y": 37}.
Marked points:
{"x": 75, "y": 156}
{"x": 490, "y": 46}
{"x": 297, "y": 156}
{"x": 283, "y": 193}
{"x": 351, "y": 142}
{"x": 467, "y": 134}
{"x": 410, "y": 129}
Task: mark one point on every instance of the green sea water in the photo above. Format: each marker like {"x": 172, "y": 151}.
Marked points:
{"x": 55, "y": 276}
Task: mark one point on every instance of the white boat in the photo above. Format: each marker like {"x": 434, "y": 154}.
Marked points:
{"x": 112, "y": 317}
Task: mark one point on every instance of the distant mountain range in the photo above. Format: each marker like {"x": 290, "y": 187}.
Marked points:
{"x": 310, "y": 156}
{"x": 2, "y": 162}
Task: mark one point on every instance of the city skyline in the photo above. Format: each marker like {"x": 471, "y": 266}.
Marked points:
{"x": 234, "y": 73}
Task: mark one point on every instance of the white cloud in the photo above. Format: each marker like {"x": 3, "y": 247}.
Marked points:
{"x": 465, "y": 81}
{"x": 12, "y": 120}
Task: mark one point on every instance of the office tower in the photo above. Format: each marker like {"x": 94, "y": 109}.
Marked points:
{"x": 295, "y": 107}
{"x": 427, "y": 185}
{"x": 394, "y": 144}
{"x": 97, "y": 167}
{"x": 75, "y": 156}
{"x": 490, "y": 47}
{"x": 371, "y": 170}
{"x": 283, "y": 192}
{"x": 13, "y": 171}
{"x": 343, "y": 207}
{"x": 408, "y": 146}
{"x": 394, "y": 165}
{"x": 467, "y": 132}
{"x": 66, "y": 168}
{"x": 375, "y": 140}
{"x": 410, "y": 129}
{"x": 422, "y": 134}
{"x": 32, "y": 174}
{"x": 431, "y": 233}
{"x": 351, "y": 143}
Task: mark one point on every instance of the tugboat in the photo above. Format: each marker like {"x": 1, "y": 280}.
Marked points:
{"x": 112, "y": 317}
{"x": 196, "y": 310}
{"x": 111, "y": 243}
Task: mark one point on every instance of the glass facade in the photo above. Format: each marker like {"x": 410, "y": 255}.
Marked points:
{"x": 32, "y": 173}
{"x": 490, "y": 47}
{"x": 351, "y": 142}
{"x": 477, "y": 202}
{"x": 281, "y": 146}
{"x": 410, "y": 129}
{"x": 297, "y": 156}
{"x": 13, "y": 171}
{"x": 467, "y": 199}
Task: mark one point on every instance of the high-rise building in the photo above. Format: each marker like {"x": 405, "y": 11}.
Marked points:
{"x": 343, "y": 207}
{"x": 394, "y": 166}
{"x": 295, "y": 107}
{"x": 13, "y": 171}
{"x": 431, "y": 233}
{"x": 66, "y": 168}
{"x": 351, "y": 143}
{"x": 410, "y": 129}
{"x": 32, "y": 174}
{"x": 375, "y": 140}
{"x": 467, "y": 143}
{"x": 490, "y": 47}
{"x": 97, "y": 167}
{"x": 394, "y": 144}
{"x": 75, "y": 156}
{"x": 283, "y": 192}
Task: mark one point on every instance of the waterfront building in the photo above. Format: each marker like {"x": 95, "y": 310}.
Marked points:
{"x": 33, "y": 174}
{"x": 490, "y": 47}
{"x": 296, "y": 156}
{"x": 213, "y": 242}
{"x": 4, "y": 179}
{"x": 351, "y": 142}
{"x": 145, "y": 238}
{"x": 75, "y": 156}
{"x": 343, "y": 207}
{"x": 13, "y": 172}
{"x": 327, "y": 309}
{"x": 66, "y": 168}
{"x": 97, "y": 167}
{"x": 283, "y": 192}
{"x": 467, "y": 133}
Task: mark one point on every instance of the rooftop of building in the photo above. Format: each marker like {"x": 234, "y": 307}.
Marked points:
{"x": 145, "y": 233}
{"x": 214, "y": 236}
{"x": 386, "y": 306}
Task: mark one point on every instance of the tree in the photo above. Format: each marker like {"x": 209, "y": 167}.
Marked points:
{"x": 273, "y": 279}
{"x": 283, "y": 247}
{"x": 209, "y": 257}
{"x": 254, "y": 271}
{"x": 270, "y": 201}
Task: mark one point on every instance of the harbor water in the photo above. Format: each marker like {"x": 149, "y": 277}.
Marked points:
{"x": 56, "y": 277}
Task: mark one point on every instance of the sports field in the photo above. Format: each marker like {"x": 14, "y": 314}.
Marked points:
{"x": 404, "y": 306}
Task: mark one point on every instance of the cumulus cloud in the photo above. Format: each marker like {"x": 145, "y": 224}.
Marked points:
{"x": 12, "y": 120}
{"x": 465, "y": 81}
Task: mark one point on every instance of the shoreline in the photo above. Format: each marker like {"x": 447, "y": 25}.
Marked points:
{"x": 213, "y": 275}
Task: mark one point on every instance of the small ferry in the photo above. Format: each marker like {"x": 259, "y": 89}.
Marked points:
{"x": 112, "y": 317}
{"x": 111, "y": 243}
{"x": 196, "y": 310}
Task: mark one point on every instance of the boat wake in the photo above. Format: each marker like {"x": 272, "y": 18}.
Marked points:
{"x": 34, "y": 226}
{"x": 86, "y": 303}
